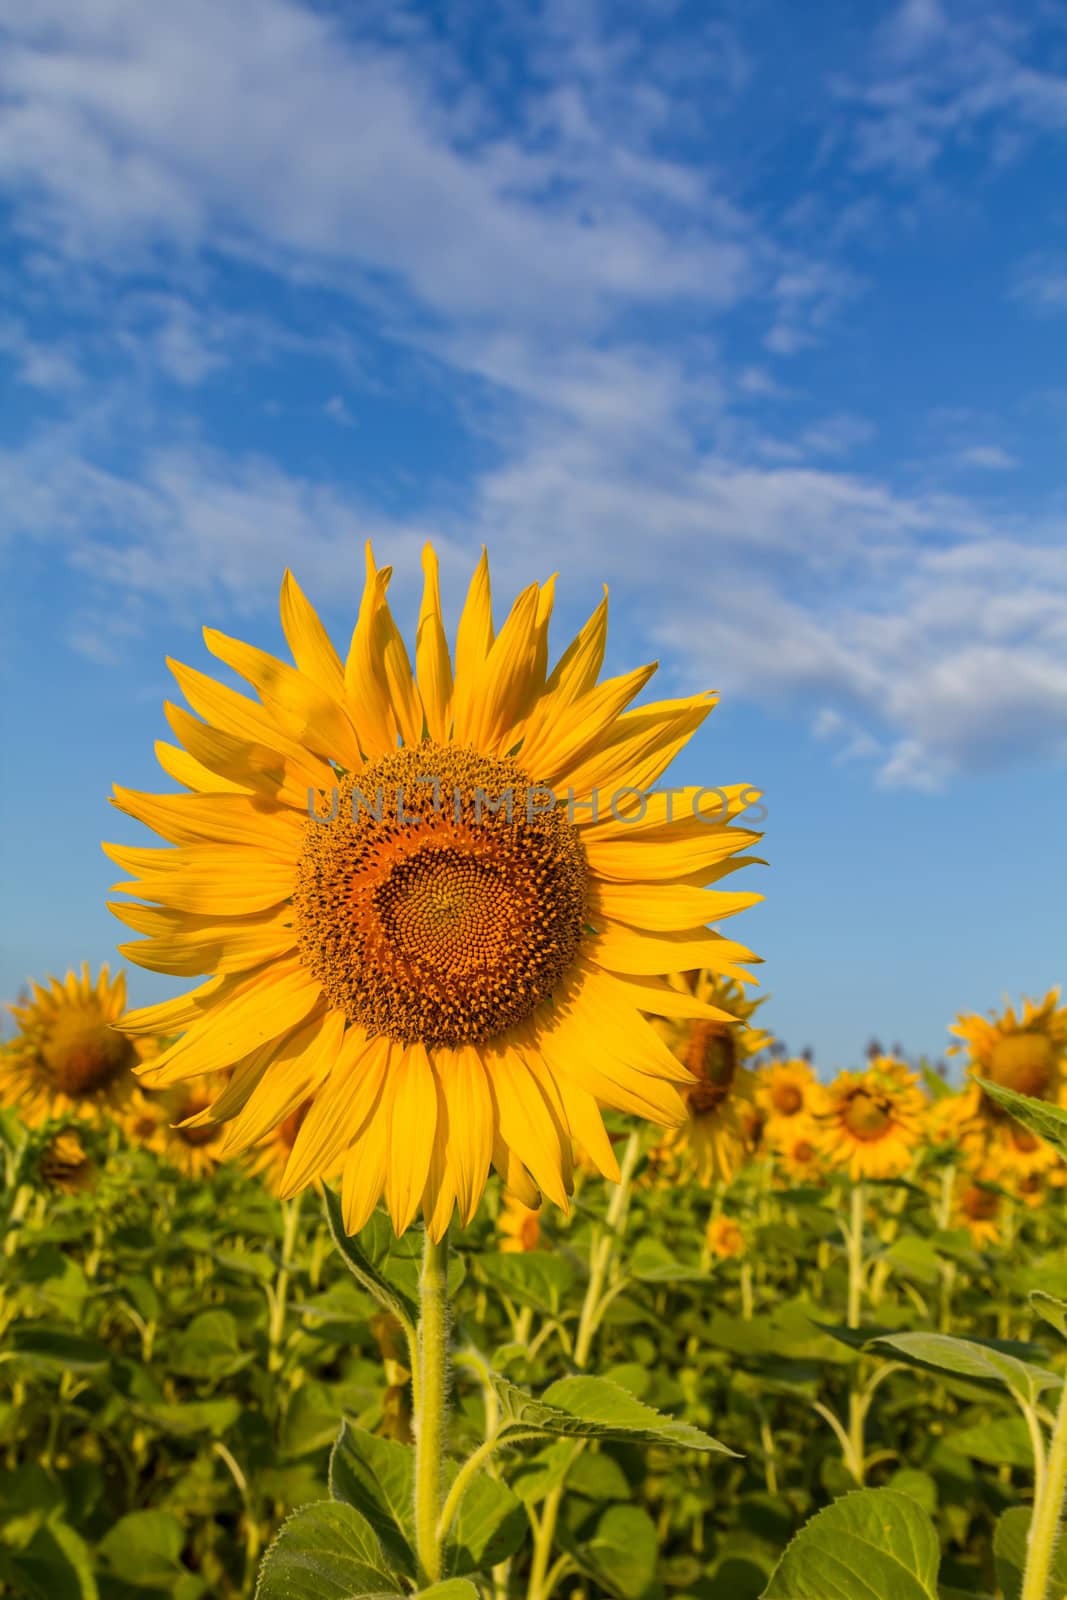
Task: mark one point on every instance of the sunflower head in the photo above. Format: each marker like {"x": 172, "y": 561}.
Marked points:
{"x": 65, "y": 1164}
{"x": 67, "y": 1057}
{"x": 871, "y": 1122}
{"x": 177, "y": 1126}
{"x": 979, "y": 1208}
{"x": 421, "y": 906}
{"x": 787, "y": 1090}
{"x": 798, "y": 1154}
{"x": 725, "y": 1238}
{"x": 1024, "y": 1050}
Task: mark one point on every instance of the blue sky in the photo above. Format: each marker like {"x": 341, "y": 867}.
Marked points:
{"x": 755, "y": 312}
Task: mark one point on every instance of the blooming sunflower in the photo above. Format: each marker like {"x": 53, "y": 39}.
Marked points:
{"x": 797, "y": 1154}
{"x": 722, "y": 1119}
{"x": 67, "y": 1058}
{"x": 268, "y": 1159}
{"x": 176, "y": 1125}
{"x": 519, "y": 1227}
{"x": 725, "y": 1238}
{"x": 1024, "y": 1051}
{"x": 978, "y": 1207}
{"x": 400, "y": 922}
{"x": 787, "y": 1091}
{"x": 872, "y": 1121}
{"x": 65, "y": 1164}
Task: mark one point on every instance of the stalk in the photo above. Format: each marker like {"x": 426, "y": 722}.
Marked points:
{"x": 429, "y": 1409}
{"x": 1048, "y": 1507}
{"x": 279, "y": 1298}
{"x": 856, "y": 1404}
{"x": 602, "y": 1247}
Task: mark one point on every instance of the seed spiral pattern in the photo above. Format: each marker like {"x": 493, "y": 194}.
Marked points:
{"x": 428, "y": 915}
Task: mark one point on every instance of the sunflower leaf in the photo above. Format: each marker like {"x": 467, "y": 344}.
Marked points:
{"x": 364, "y": 1270}
{"x": 1047, "y": 1121}
{"x": 377, "y": 1478}
{"x": 875, "y": 1544}
{"x": 1050, "y": 1310}
{"x": 596, "y": 1408}
{"x": 620, "y": 1554}
{"x": 325, "y": 1551}
{"x": 970, "y": 1359}
{"x": 1010, "y": 1550}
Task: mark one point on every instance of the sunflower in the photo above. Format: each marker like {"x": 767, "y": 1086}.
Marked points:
{"x": 725, "y": 1238}
{"x": 796, "y": 1150}
{"x": 268, "y": 1159}
{"x": 978, "y": 1207}
{"x": 872, "y": 1121}
{"x": 518, "y": 1226}
{"x": 438, "y": 905}
{"x": 65, "y": 1164}
{"x": 67, "y": 1058}
{"x": 787, "y": 1091}
{"x": 174, "y": 1123}
{"x": 1026, "y": 1052}
{"x": 723, "y": 1116}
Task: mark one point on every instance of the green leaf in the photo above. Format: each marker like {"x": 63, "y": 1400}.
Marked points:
{"x": 534, "y": 1278}
{"x": 1047, "y": 1121}
{"x": 144, "y": 1548}
{"x": 621, "y": 1555}
{"x": 967, "y": 1358}
{"x": 42, "y": 1345}
{"x": 451, "y": 1589}
{"x": 51, "y": 1563}
{"x": 377, "y": 1477}
{"x": 363, "y": 1269}
{"x": 191, "y": 1417}
{"x": 209, "y": 1348}
{"x": 490, "y": 1525}
{"x": 1009, "y": 1554}
{"x": 325, "y": 1551}
{"x": 652, "y": 1262}
{"x": 1050, "y": 1310}
{"x": 999, "y": 1440}
{"x": 596, "y": 1408}
{"x": 875, "y": 1544}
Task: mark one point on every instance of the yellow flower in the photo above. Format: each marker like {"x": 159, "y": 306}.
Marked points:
{"x": 722, "y": 1116}
{"x": 725, "y": 1238}
{"x": 978, "y": 1208}
{"x": 453, "y": 980}
{"x": 176, "y": 1125}
{"x": 798, "y": 1156}
{"x": 519, "y": 1227}
{"x": 65, "y": 1164}
{"x": 872, "y": 1120}
{"x": 787, "y": 1091}
{"x": 67, "y": 1059}
{"x": 1025, "y": 1052}
{"x": 268, "y": 1159}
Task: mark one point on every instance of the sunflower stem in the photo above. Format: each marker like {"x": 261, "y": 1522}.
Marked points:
{"x": 1048, "y": 1508}
{"x": 279, "y": 1302}
{"x": 857, "y": 1405}
{"x": 429, "y": 1409}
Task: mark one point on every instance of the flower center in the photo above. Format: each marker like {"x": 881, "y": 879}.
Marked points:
{"x": 440, "y": 903}
{"x": 980, "y": 1204}
{"x": 787, "y": 1099}
{"x": 1023, "y": 1140}
{"x": 1023, "y": 1062}
{"x": 711, "y": 1055}
{"x": 84, "y": 1054}
{"x": 867, "y": 1116}
{"x": 803, "y": 1151}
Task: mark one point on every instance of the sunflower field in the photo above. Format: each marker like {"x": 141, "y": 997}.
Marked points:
{"x": 461, "y": 1233}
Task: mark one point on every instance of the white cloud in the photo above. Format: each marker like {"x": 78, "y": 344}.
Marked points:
{"x": 1041, "y": 285}
{"x": 987, "y": 457}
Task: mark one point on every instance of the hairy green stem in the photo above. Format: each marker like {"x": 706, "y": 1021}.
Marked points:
{"x": 857, "y": 1408}
{"x": 1048, "y": 1508}
{"x": 429, "y": 1409}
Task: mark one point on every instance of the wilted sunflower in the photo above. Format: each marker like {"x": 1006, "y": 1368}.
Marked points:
{"x": 519, "y": 1227}
{"x": 175, "y": 1125}
{"x": 67, "y": 1059}
{"x": 722, "y": 1111}
{"x": 453, "y": 980}
{"x": 872, "y": 1121}
{"x": 725, "y": 1238}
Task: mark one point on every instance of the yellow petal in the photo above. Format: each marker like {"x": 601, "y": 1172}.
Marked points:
{"x": 366, "y": 694}
{"x": 504, "y": 689}
{"x": 413, "y": 1123}
{"x": 192, "y": 774}
{"x": 525, "y": 1122}
{"x": 216, "y": 818}
{"x": 640, "y": 748}
{"x": 252, "y": 1011}
{"x": 515, "y": 1178}
{"x": 572, "y": 733}
{"x": 366, "y": 1165}
{"x": 308, "y": 640}
{"x": 306, "y": 714}
{"x": 296, "y": 1071}
{"x": 433, "y": 665}
{"x": 252, "y": 766}
{"x": 474, "y": 640}
{"x": 663, "y": 908}
{"x": 689, "y": 854}
{"x": 234, "y": 714}
{"x": 470, "y": 1122}
{"x": 622, "y": 949}
{"x": 341, "y": 1107}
